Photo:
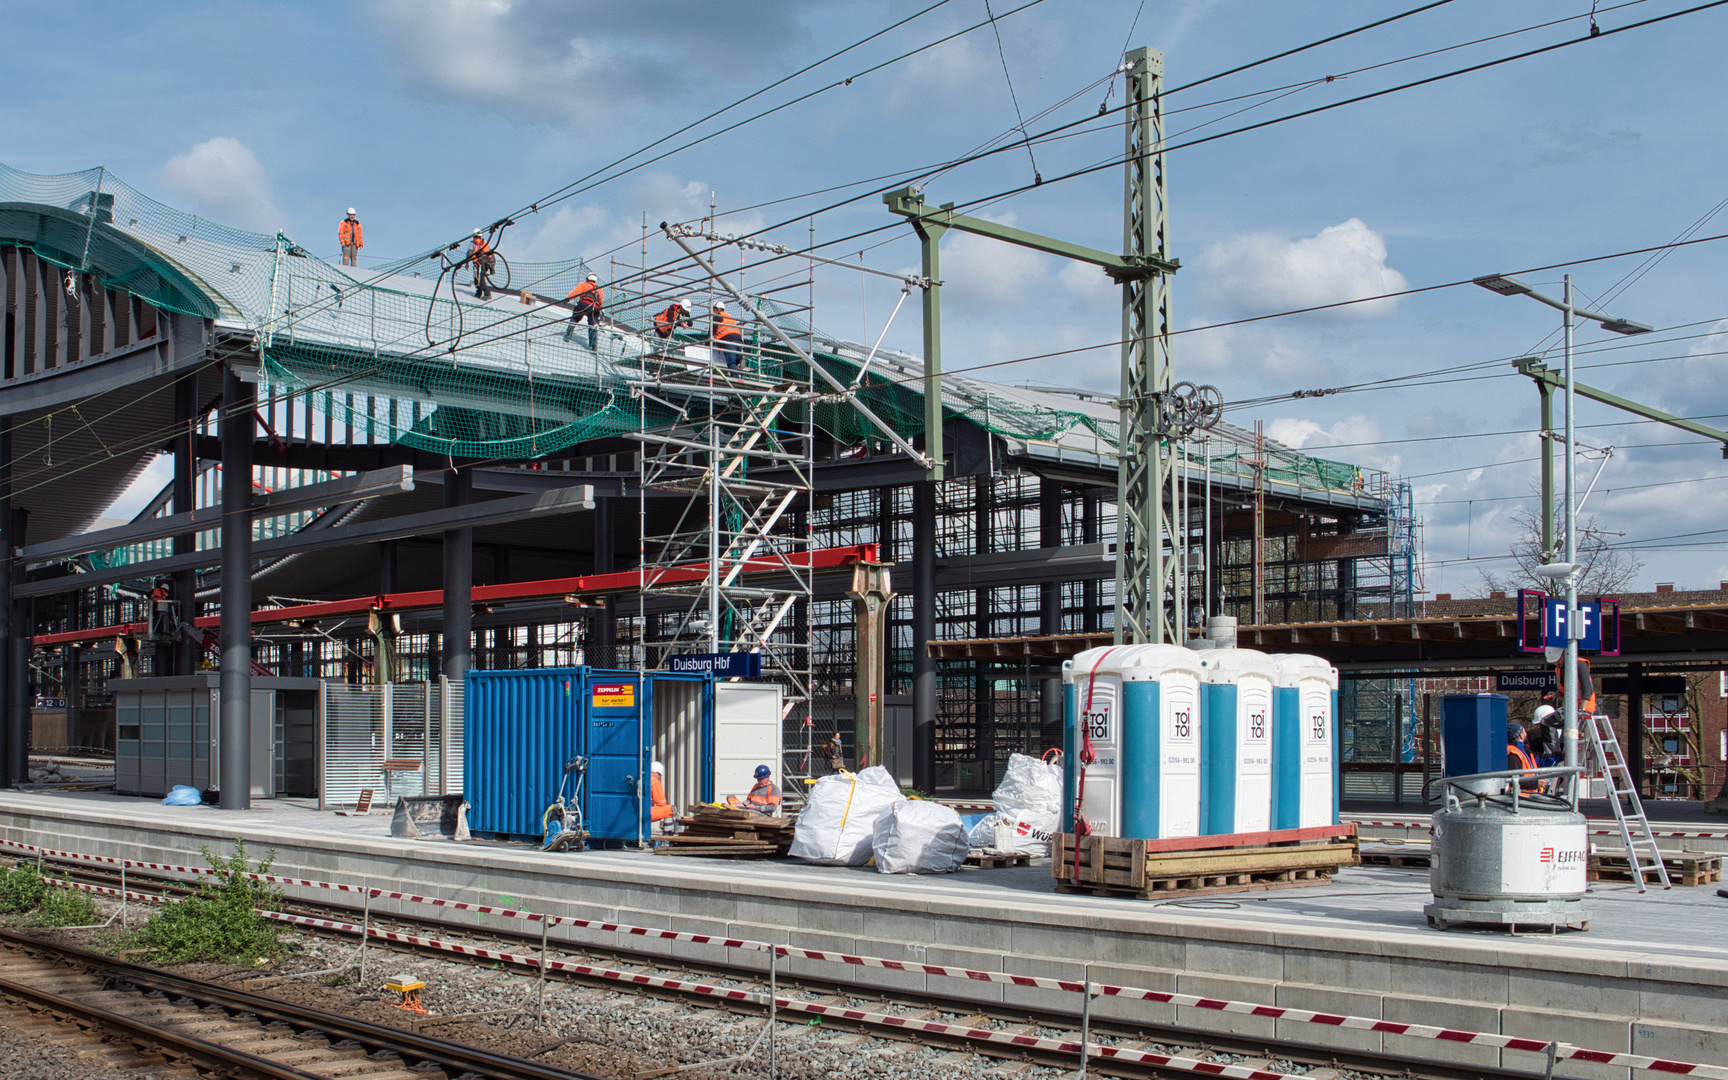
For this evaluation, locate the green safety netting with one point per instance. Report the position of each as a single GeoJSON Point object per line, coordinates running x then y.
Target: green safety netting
{"type": "Point", "coordinates": [408, 353]}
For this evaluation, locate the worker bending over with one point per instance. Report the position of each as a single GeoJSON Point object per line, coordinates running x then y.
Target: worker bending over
{"type": "Point", "coordinates": [587, 299]}
{"type": "Point", "coordinates": [480, 254]}
{"type": "Point", "coordinates": [351, 237]}
{"type": "Point", "coordinates": [676, 315]}
{"type": "Point", "coordinates": [728, 339]}
{"type": "Point", "coordinates": [661, 809]}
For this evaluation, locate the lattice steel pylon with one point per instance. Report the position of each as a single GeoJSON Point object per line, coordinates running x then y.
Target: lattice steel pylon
{"type": "Point", "coordinates": [740, 446]}
{"type": "Point", "coordinates": [1145, 481]}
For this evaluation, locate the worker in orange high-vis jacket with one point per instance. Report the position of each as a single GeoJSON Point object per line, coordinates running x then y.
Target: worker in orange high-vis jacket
{"type": "Point", "coordinates": [661, 809]}
{"type": "Point", "coordinates": [480, 255]}
{"type": "Point", "coordinates": [764, 798]}
{"type": "Point", "coordinates": [1518, 757]}
{"type": "Point", "coordinates": [586, 299]}
{"type": "Point", "coordinates": [676, 315]}
{"type": "Point", "coordinates": [351, 237]}
{"type": "Point", "coordinates": [728, 339]}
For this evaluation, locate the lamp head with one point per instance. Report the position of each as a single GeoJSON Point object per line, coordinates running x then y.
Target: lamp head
{"type": "Point", "coordinates": [1504, 285]}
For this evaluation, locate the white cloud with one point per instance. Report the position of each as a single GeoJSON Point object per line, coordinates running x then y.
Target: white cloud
{"type": "Point", "coordinates": [1249, 360]}
{"type": "Point", "coordinates": [222, 179]}
{"type": "Point", "coordinates": [1259, 272]}
{"type": "Point", "coordinates": [1355, 434]}
{"type": "Point", "coordinates": [1090, 286]}
{"type": "Point", "coordinates": [565, 234]}
{"type": "Point", "coordinates": [536, 60]}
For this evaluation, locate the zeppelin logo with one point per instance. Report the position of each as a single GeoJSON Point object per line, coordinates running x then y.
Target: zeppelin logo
{"type": "Point", "coordinates": [1561, 858]}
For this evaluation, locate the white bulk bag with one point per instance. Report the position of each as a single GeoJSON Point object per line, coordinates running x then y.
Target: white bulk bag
{"type": "Point", "coordinates": [1029, 785]}
{"type": "Point", "coordinates": [916, 837]}
{"type": "Point", "coordinates": [836, 824]}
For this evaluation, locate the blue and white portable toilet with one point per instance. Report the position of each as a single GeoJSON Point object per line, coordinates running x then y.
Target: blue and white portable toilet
{"type": "Point", "coordinates": [1236, 740]}
{"type": "Point", "coordinates": [1304, 743]}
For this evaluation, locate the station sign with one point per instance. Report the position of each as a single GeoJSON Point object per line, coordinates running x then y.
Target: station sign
{"type": "Point", "coordinates": [1589, 630]}
{"type": "Point", "coordinates": [728, 665]}
{"type": "Point", "coordinates": [1540, 682]}
{"type": "Point", "coordinates": [1598, 620]}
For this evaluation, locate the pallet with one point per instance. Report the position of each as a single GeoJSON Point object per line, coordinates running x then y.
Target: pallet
{"type": "Point", "coordinates": [1142, 869]}
{"type": "Point", "coordinates": [993, 860]}
{"type": "Point", "coordinates": [1412, 859]}
{"type": "Point", "coordinates": [1688, 868]}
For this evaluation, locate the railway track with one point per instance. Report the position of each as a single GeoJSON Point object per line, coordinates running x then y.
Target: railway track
{"type": "Point", "coordinates": [138, 1017]}
{"type": "Point", "coordinates": [1046, 1037]}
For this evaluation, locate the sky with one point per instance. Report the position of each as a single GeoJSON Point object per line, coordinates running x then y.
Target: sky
{"type": "Point", "coordinates": [433, 117]}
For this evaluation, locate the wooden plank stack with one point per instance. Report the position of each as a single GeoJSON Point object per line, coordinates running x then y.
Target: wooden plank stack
{"type": "Point", "coordinates": [1687, 868]}
{"type": "Point", "coordinates": [1191, 866]}
{"type": "Point", "coordinates": [722, 832]}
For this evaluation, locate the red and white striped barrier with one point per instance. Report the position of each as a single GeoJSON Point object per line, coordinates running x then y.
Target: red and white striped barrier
{"type": "Point", "coordinates": [1563, 1051]}
{"type": "Point", "coordinates": [1694, 834]}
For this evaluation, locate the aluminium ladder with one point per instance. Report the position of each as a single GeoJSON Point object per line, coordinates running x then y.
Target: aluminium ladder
{"type": "Point", "coordinates": [1605, 748]}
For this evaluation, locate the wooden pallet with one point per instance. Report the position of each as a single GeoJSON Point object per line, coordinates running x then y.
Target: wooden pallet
{"type": "Point", "coordinates": [1688, 868]}
{"type": "Point", "coordinates": [723, 832]}
{"type": "Point", "coordinates": [992, 860]}
{"type": "Point", "coordinates": [1143, 869]}
{"type": "Point", "coordinates": [1410, 858]}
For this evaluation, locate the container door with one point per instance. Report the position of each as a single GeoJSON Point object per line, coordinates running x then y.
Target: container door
{"type": "Point", "coordinates": [263, 724]}
{"type": "Point", "coordinates": [1097, 702]}
{"type": "Point", "coordinates": [1179, 752]}
{"type": "Point", "coordinates": [746, 734]}
{"type": "Point", "coordinates": [618, 762]}
{"type": "Point", "coordinates": [1317, 751]}
{"type": "Point", "coordinates": [1254, 754]}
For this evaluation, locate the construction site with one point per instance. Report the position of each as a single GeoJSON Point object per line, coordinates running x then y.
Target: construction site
{"type": "Point", "coordinates": [617, 627]}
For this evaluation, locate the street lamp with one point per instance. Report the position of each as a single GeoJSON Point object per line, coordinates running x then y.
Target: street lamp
{"type": "Point", "coordinates": [1568, 568]}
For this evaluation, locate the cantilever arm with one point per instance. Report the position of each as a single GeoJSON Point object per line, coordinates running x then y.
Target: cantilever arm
{"type": "Point", "coordinates": [1544, 375]}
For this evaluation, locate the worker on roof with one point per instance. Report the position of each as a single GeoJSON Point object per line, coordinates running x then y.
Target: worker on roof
{"type": "Point", "coordinates": [661, 810]}
{"type": "Point", "coordinates": [587, 299]}
{"type": "Point", "coordinates": [351, 237]}
{"type": "Point", "coordinates": [480, 254]}
{"type": "Point", "coordinates": [676, 315]}
{"type": "Point", "coordinates": [728, 339]}
{"type": "Point", "coordinates": [764, 798]}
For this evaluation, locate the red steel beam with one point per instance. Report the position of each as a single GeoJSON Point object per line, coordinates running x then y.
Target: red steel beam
{"type": "Point", "coordinates": [587, 584]}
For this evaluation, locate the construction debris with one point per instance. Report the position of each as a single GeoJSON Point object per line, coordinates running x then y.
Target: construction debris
{"type": "Point", "coordinates": [722, 832]}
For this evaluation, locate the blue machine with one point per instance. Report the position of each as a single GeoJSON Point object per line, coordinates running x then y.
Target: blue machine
{"type": "Point", "coordinates": [1473, 732]}
{"type": "Point", "coordinates": [1304, 743]}
{"type": "Point", "coordinates": [522, 727]}
{"type": "Point", "coordinates": [1236, 741]}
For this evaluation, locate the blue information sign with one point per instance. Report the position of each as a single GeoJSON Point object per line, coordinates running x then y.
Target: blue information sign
{"type": "Point", "coordinates": [735, 665]}
{"type": "Point", "coordinates": [1589, 628]}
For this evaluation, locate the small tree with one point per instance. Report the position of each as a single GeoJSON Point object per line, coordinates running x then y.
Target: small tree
{"type": "Point", "coordinates": [1604, 569]}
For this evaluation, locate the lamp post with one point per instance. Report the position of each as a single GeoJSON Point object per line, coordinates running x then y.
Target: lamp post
{"type": "Point", "coordinates": [1567, 568]}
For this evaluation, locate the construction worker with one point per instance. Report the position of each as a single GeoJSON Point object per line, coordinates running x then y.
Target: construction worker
{"type": "Point", "coordinates": [764, 798]}
{"type": "Point", "coordinates": [661, 810]}
{"type": "Point", "coordinates": [351, 237]}
{"type": "Point", "coordinates": [1518, 757]}
{"type": "Point", "coordinates": [587, 299]}
{"type": "Point", "coordinates": [728, 339]}
{"type": "Point", "coordinates": [480, 254]}
{"type": "Point", "coordinates": [1546, 741]}
{"type": "Point", "coordinates": [675, 316]}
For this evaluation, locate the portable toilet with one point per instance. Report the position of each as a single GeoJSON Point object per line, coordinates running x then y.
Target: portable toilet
{"type": "Point", "coordinates": [1236, 741]}
{"type": "Point", "coordinates": [1304, 743]}
{"type": "Point", "coordinates": [1092, 715]}
{"type": "Point", "coordinates": [1161, 753]}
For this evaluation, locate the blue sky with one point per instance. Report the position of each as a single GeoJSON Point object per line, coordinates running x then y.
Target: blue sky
{"type": "Point", "coordinates": [436, 116]}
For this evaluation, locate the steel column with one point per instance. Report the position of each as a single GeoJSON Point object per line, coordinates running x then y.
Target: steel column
{"type": "Point", "coordinates": [458, 582]}
{"type": "Point", "coordinates": [239, 426]}
{"type": "Point", "coordinates": [923, 632]}
{"type": "Point", "coordinates": [14, 740]}
{"type": "Point", "coordinates": [1145, 491]}
{"type": "Point", "coordinates": [184, 653]}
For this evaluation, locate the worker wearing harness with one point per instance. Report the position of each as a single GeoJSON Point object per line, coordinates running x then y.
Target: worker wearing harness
{"type": "Point", "coordinates": [351, 237]}
{"type": "Point", "coordinates": [588, 299]}
{"type": "Point", "coordinates": [480, 254]}
{"type": "Point", "coordinates": [675, 316]}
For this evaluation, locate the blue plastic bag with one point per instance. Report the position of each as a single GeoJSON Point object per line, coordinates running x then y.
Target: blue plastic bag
{"type": "Point", "coordinates": [183, 796]}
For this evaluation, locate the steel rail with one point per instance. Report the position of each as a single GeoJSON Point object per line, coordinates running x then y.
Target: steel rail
{"type": "Point", "coordinates": [412, 1047]}
{"type": "Point", "coordinates": [1309, 1054]}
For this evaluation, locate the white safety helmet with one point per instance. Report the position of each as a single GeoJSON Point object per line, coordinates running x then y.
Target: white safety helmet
{"type": "Point", "coordinates": [688, 304]}
{"type": "Point", "coordinates": [1542, 714]}
{"type": "Point", "coordinates": [592, 277]}
{"type": "Point", "coordinates": [350, 211]}
{"type": "Point", "coordinates": [718, 306]}
{"type": "Point", "coordinates": [659, 768]}
{"type": "Point", "coordinates": [477, 232]}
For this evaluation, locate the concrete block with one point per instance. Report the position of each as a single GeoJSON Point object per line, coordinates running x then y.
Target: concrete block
{"type": "Point", "coordinates": [967, 989]}
{"type": "Point", "coordinates": [1356, 971]}
{"type": "Point", "coordinates": [1234, 960]}
{"type": "Point", "coordinates": [1032, 997]}
{"type": "Point", "coordinates": [1573, 993]}
{"type": "Point", "coordinates": [1477, 984]}
{"type": "Point", "coordinates": [1459, 1016]}
{"type": "Point", "coordinates": [1680, 1042]}
{"type": "Point", "coordinates": [889, 925]}
{"type": "Point", "coordinates": [1681, 1003]}
{"type": "Point", "coordinates": [1216, 986]}
{"type": "Point", "coordinates": [826, 970]}
{"type": "Point", "coordinates": [1329, 999]}
{"type": "Point", "coordinates": [1578, 1027]}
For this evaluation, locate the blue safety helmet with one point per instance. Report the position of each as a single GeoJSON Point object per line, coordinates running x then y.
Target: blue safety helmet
{"type": "Point", "coordinates": [763, 772]}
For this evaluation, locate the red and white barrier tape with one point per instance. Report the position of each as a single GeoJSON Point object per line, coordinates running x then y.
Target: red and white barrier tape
{"type": "Point", "coordinates": [1564, 1051]}
{"type": "Point", "coordinates": [1702, 834]}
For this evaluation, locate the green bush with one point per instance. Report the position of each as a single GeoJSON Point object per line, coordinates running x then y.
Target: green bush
{"type": "Point", "coordinates": [21, 888]}
{"type": "Point", "coordinates": [67, 907]}
{"type": "Point", "coordinates": [218, 922]}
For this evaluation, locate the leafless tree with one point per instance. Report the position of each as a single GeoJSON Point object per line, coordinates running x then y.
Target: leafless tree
{"type": "Point", "coordinates": [1606, 569]}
